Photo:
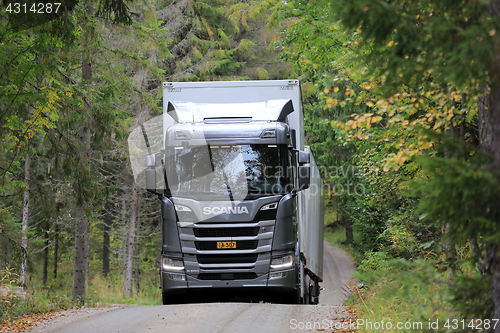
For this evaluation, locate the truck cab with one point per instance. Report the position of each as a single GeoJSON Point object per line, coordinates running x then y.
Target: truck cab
{"type": "Point", "coordinates": [231, 178]}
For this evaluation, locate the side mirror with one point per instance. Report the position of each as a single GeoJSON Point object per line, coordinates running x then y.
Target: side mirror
{"type": "Point", "coordinates": [303, 157]}
{"type": "Point", "coordinates": [293, 137]}
{"type": "Point", "coordinates": [151, 173]}
{"type": "Point", "coordinates": [304, 178]}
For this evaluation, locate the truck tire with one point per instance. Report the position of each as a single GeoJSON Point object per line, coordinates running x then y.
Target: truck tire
{"type": "Point", "coordinates": [300, 291]}
{"type": "Point", "coordinates": [315, 293]}
{"type": "Point", "coordinates": [307, 289]}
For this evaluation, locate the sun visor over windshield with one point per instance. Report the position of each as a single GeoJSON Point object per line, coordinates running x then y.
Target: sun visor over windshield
{"type": "Point", "coordinates": [273, 110]}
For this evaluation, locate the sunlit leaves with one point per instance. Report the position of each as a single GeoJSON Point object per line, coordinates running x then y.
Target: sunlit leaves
{"type": "Point", "coordinates": [416, 65]}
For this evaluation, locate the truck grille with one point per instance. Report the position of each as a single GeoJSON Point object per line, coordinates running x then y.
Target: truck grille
{"type": "Point", "coordinates": [240, 245]}
{"type": "Point", "coordinates": [227, 276]}
{"type": "Point", "coordinates": [226, 232]}
{"type": "Point", "coordinates": [226, 258]}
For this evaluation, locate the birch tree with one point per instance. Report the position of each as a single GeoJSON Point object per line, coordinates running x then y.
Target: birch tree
{"type": "Point", "coordinates": [26, 213]}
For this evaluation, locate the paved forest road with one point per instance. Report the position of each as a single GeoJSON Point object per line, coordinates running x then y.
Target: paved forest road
{"type": "Point", "coordinates": [337, 270]}
{"type": "Point", "coordinates": [221, 316]}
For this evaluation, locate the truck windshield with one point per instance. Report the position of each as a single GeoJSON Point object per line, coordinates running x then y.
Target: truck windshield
{"type": "Point", "coordinates": [221, 169]}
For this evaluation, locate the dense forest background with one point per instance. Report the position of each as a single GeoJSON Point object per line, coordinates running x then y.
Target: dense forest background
{"type": "Point", "coordinates": [402, 103]}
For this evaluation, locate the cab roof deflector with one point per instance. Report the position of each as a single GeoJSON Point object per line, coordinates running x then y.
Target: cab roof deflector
{"type": "Point", "coordinates": [271, 110]}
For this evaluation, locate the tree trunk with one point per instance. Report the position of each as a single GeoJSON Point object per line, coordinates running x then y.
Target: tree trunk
{"type": "Point", "coordinates": [489, 131]}
{"type": "Point", "coordinates": [496, 285]}
{"type": "Point", "coordinates": [124, 236]}
{"type": "Point", "coordinates": [45, 258]}
{"type": "Point", "coordinates": [87, 253]}
{"type": "Point", "coordinates": [137, 254]}
{"type": "Point", "coordinates": [127, 278]}
{"type": "Point", "coordinates": [56, 247]}
{"type": "Point", "coordinates": [489, 139]}
{"type": "Point", "coordinates": [80, 262]}
{"type": "Point", "coordinates": [3, 241]}
{"type": "Point", "coordinates": [489, 136]}
{"type": "Point", "coordinates": [159, 244]}
{"type": "Point", "coordinates": [26, 211]}
{"type": "Point", "coordinates": [349, 237]}
{"type": "Point", "coordinates": [449, 252]}
{"type": "Point", "coordinates": [82, 228]}
{"type": "Point", "coordinates": [108, 220]}
{"type": "Point", "coordinates": [137, 262]}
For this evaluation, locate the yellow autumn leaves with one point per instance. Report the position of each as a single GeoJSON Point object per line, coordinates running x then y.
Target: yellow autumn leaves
{"type": "Point", "coordinates": [359, 121]}
{"type": "Point", "coordinates": [44, 115]}
{"type": "Point", "coordinates": [402, 116]}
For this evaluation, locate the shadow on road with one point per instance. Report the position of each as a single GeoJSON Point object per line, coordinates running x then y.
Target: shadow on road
{"type": "Point", "coordinates": [230, 296]}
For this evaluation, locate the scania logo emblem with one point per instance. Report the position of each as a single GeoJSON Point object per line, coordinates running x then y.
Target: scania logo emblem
{"type": "Point", "coordinates": [225, 210]}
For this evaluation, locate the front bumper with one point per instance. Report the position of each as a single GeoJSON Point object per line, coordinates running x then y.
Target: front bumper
{"type": "Point", "coordinates": [286, 283]}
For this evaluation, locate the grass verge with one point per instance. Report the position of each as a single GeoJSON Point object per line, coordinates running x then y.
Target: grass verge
{"type": "Point", "coordinates": [404, 297]}
{"type": "Point", "coordinates": [395, 295]}
{"type": "Point", "coordinates": [104, 291]}
{"type": "Point", "coordinates": [16, 303]}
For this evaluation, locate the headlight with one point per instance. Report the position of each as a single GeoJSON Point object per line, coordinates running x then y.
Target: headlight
{"type": "Point", "coordinates": [268, 133]}
{"type": "Point", "coordinates": [181, 208]}
{"type": "Point", "coordinates": [273, 205]}
{"type": "Point", "coordinates": [170, 264]}
{"type": "Point", "coordinates": [282, 262]}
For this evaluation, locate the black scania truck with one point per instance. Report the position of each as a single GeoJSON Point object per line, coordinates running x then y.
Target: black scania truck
{"type": "Point", "coordinates": [241, 196]}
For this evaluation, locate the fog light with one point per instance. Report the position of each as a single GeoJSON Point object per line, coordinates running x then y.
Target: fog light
{"type": "Point", "coordinates": [277, 275]}
{"type": "Point", "coordinates": [172, 264]}
{"type": "Point", "coordinates": [282, 262]}
{"type": "Point", "coordinates": [176, 277]}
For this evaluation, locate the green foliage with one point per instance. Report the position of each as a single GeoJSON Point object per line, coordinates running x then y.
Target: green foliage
{"type": "Point", "coordinates": [452, 189]}
{"type": "Point", "coordinates": [397, 75]}
{"type": "Point", "coordinates": [225, 40]}
{"type": "Point", "coordinates": [48, 106]}
{"type": "Point", "coordinates": [412, 37]}
{"type": "Point", "coordinates": [375, 261]}
{"type": "Point", "coordinates": [118, 10]}
{"type": "Point", "coordinates": [473, 295]}
{"type": "Point", "coordinates": [261, 73]}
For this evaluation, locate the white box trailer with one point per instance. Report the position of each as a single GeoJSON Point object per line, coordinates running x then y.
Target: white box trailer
{"type": "Point", "coordinates": [226, 223]}
{"type": "Point", "coordinates": [238, 92]}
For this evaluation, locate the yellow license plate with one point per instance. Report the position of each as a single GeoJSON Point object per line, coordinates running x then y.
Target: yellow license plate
{"type": "Point", "coordinates": [226, 245]}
